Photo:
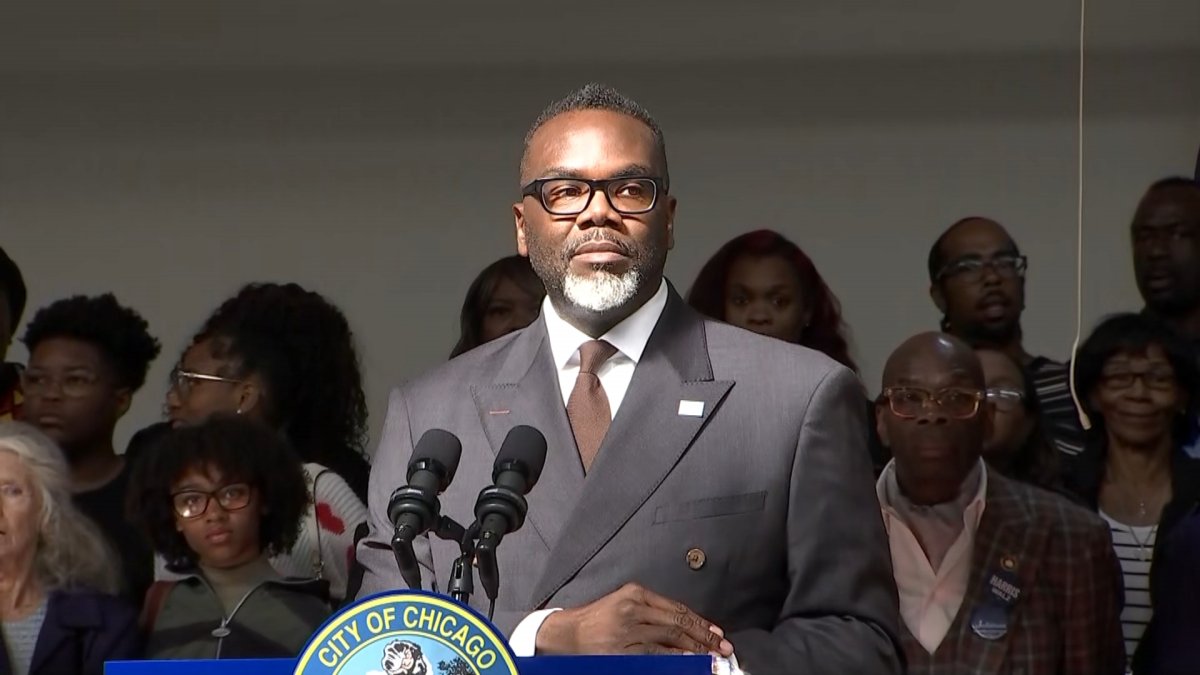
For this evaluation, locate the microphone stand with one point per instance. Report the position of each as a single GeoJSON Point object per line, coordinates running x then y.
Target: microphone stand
{"type": "Point", "coordinates": [462, 581]}
{"type": "Point", "coordinates": [462, 576]}
{"type": "Point", "coordinates": [406, 558]}
{"type": "Point", "coordinates": [402, 548]}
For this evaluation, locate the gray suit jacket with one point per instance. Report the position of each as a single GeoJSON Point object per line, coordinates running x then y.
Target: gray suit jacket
{"type": "Point", "coordinates": [772, 482]}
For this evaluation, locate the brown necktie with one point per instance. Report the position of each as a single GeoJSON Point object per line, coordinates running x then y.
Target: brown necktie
{"type": "Point", "coordinates": [587, 407]}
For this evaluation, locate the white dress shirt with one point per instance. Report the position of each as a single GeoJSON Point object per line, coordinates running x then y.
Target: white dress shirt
{"type": "Point", "coordinates": [930, 597]}
{"type": "Point", "coordinates": [630, 338]}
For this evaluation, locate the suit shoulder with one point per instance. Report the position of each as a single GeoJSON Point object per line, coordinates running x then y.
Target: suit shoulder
{"type": "Point", "coordinates": [468, 367]}
{"type": "Point", "coordinates": [790, 375]}
{"type": "Point", "coordinates": [730, 343]}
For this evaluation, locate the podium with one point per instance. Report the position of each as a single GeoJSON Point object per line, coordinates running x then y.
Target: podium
{"type": "Point", "coordinates": [416, 633]}
{"type": "Point", "coordinates": [537, 665]}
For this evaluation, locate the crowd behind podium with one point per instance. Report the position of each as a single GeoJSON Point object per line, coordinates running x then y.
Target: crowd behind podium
{"type": "Point", "coordinates": [230, 529]}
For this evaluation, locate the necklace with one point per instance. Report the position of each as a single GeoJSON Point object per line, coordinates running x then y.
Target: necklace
{"type": "Point", "coordinates": [1142, 544]}
{"type": "Point", "coordinates": [1138, 501]}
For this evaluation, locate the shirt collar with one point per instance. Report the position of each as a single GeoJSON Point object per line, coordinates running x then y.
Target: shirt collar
{"type": "Point", "coordinates": [971, 514]}
{"type": "Point", "coordinates": [629, 337]}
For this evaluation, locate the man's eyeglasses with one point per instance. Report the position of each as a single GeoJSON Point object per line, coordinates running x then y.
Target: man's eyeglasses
{"type": "Point", "coordinates": [190, 504]}
{"type": "Point", "coordinates": [972, 269]}
{"type": "Point", "coordinates": [1162, 379]}
{"type": "Point", "coordinates": [1005, 399]}
{"type": "Point", "coordinates": [911, 402]}
{"type": "Point", "coordinates": [572, 196]}
{"type": "Point", "coordinates": [182, 380]}
{"type": "Point", "coordinates": [72, 385]}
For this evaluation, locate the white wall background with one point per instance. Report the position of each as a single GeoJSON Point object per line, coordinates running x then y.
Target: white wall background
{"type": "Point", "coordinates": [170, 152]}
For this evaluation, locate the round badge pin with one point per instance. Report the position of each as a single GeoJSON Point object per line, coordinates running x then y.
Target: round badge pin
{"type": "Point", "coordinates": [989, 621]}
{"type": "Point", "coordinates": [1009, 563]}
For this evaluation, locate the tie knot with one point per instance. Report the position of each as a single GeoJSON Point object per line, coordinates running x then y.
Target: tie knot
{"type": "Point", "coordinates": [593, 354]}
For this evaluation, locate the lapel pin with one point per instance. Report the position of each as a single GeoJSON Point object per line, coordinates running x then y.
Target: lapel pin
{"type": "Point", "coordinates": [990, 621]}
{"type": "Point", "coordinates": [691, 408]}
{"type": "Point", "coordinates": [1009, 563]}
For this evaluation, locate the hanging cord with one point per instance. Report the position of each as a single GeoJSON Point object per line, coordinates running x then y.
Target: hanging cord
{"type": "Point", "coordinates": [1083, 417]}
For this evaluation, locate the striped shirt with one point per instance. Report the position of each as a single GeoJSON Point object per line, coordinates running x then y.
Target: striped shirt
{"type": "Point", "coordinates": [20, 639]}
{"type": "Point", "coordinates": [1134, 547]}
{"type": "Point", "coordinates": [1052, 381]}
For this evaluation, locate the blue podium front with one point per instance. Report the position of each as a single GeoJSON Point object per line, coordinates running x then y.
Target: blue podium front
{"type": "Point", "coordinates": [417, 633]}
{"type": "Point", "coordinates": [538, 665]}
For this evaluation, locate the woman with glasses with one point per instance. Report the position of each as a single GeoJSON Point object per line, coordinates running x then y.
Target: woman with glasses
{"type": "Point", "coordinates": [225, 496]}
{"type": "Point", "coordinates": [285, 356]}
{"type": "Point", "coordinates": [88, 356]}
{"type": "Point", "coordinates": [1138, 383]}
{"type": "Point", "coordinates": [1015, 445]}
{"type": "Point", "coordinates": [57, 611]}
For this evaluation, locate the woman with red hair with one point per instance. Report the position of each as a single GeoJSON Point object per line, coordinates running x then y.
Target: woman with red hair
{"type": "Point", "coordinates": [762, 282]}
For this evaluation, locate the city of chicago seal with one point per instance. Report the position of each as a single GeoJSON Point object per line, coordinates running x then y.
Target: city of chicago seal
{"type": "Point", "coordinates": [407, 633]}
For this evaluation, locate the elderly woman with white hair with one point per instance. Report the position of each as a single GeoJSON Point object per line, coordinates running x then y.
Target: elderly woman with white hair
{"type": "Point", "coordinates": [57, 575]}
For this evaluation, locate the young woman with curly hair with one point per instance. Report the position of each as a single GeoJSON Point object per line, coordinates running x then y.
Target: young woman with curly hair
{"type": "Point", "coordinates": [225, 496]}
{"type": "Point", "coordinates": [284, 356]}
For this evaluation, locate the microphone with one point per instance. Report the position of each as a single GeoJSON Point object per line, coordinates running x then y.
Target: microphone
{"type": "Point", "coordinates": [501, 508]}
{"type": "Point", "coordinates": [414, 509]}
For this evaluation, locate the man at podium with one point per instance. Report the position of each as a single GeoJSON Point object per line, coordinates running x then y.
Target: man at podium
{"type": "Point", "coordinates": [706, 489]}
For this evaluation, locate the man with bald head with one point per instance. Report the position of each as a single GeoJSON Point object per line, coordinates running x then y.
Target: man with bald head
{"type": "Point", "coordinates": [977, 281]}
{"type": "Point", "coordinates": [994, 576]}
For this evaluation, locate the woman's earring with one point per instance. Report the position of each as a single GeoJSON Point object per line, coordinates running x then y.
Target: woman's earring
{"type": "Point", "coordinates": [238, 411]}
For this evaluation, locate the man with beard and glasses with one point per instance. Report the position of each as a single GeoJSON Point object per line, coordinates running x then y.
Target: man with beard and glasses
{"type": "Point", "coordinates": [706, 489]}
{"type": "Point", "coordinates": [977, 280]}
{"type": "Point", "coordinates": [1166, 261]}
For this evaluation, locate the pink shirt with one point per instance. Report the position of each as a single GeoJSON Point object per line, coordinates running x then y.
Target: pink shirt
{"type": "Point", "coordinates": [929, 598]}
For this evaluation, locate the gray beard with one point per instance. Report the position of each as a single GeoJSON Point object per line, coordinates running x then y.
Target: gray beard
{"type": "Point", "coordinates": [601, 291]}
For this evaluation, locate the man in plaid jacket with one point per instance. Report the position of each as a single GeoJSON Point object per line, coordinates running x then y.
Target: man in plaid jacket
{"type": "Point", "coordinates": [994, 576]}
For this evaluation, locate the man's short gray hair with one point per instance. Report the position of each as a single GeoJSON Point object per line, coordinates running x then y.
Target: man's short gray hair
{"type": "Point", "coordinates": [596, 96]}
